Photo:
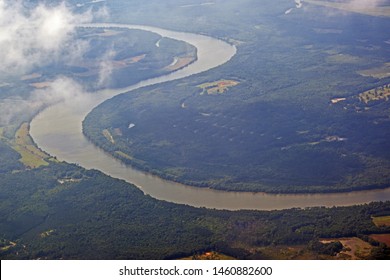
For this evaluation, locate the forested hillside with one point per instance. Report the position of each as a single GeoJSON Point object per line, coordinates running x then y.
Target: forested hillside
{"type": "Point", "coordinates": [285, 115]}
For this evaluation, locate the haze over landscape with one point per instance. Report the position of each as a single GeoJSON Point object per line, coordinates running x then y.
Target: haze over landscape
{"type": "Point", "coordinates": [195, 129]}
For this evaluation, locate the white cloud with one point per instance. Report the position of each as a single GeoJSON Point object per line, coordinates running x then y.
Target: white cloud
{"type": "Point", "coordinates": [34, 37]}
{"type": "Point", "coordinates": [12, 108]}
{"type": "Point", "coordinates": [106, 67]}
{"type": "Point", "coordinates": [59, 90]}
{"type": "Point", "coordinates": [62, 89]}
{"type": "Point", "coordinates": [31, 38]}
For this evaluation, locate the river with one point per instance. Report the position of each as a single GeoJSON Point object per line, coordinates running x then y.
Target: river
{"type": "Point", "coordinates": [58, 131]}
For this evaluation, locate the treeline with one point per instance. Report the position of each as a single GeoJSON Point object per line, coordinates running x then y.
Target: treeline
{"type": "Point", "coordinates": [276, 131]}
{"type": "Point", "coordinates": [65, 212]}
{"type": "Point", "coordinates": [217, 142]}
{"type": "Point", "coordinates": [98, 217]}
{"type": "Point", "coordinates": [9, 159]}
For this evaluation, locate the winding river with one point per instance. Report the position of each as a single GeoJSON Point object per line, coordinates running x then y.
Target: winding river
{"type": "Point", "coordinates": [58, 131]}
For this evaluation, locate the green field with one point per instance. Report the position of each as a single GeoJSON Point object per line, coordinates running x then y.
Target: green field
{"type": "Point", "coordinates": [381, 221]}
{"type": "Point", "coordinates": [31, 156]}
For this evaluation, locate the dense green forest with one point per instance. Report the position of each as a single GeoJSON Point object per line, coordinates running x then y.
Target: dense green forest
{"type": "Point", "coordinates": [9, 159]}
{"type": "Point", "coordinates": [269, 125]}
{"type": "Point", "coordinates": [278, 128]}
{"type": "Point", "coordinates": [64, 211]}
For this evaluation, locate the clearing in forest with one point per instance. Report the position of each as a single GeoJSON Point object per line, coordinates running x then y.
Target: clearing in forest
{"type": "Point", "coordinates": [354, 248]}
{"type": "Point", "coordinates": [376, 94]}
{"type": "Point", "coordinates": [32, 157]}
{"type": "Point", "coordinates": [383, 238]}
{"type": "Point", "coordinates": [381, 221]}
{"type": "Point", "coordinates": [108, 136]}
{"type": "Point", "coordinates": [209, 256]}
{"type": "Point", "coordinates": [217, 87]}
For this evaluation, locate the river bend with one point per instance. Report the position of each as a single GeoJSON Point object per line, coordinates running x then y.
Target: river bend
{"type": "Point", "coordinates": [58, 131]}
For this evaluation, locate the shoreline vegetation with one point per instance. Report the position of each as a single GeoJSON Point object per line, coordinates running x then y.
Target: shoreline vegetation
{"type": "Point", "coordinates": [140, 165]}
{"type": "Point", "coordinates": [277, 127]}
{"type": "Point", "coordinates": [63, 211]}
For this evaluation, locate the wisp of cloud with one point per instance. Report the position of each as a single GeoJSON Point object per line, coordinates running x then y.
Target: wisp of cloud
{"type": "Point", "coordinates": [62, 89]}
{"type": "Point", "coordinates": [34, 37]}
{"type": "Point", "coordinates": [31, 38]}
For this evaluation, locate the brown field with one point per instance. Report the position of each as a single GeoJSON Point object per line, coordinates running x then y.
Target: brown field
{"type": "Point", "coordinates": [381, 221]}
{"type": "Point", "coordinates": [376, 94]}
{"type": "Point", "coordinates": [217, 87]}
{"type": "Point", "coordinates": [383, 11]}
{"type": "Point", "coordinates": [383, 238]}
{"type": "Point", "coordinates": [209, 256]}
{"type": "Point", "coordinates": [126, 62]}
{"type": "Point", "coordinates": [354, 248]}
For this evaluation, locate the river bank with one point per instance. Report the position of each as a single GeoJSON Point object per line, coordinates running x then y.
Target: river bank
{"type": "Point", "coordinates": [58, 131]}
